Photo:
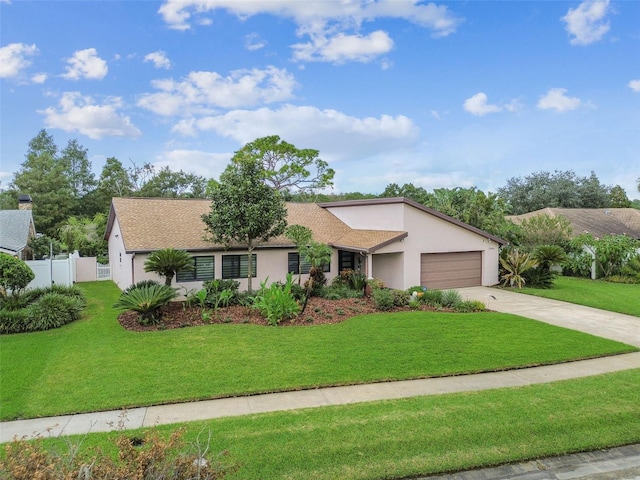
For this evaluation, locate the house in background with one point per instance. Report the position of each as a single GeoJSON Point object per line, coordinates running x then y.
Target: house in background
{"type": "Point", "coordinates": [396, 240]}
{"type": "Point", "coordinates": [17, 229]}
{"type": "Point", "coordinates": [596, 221]}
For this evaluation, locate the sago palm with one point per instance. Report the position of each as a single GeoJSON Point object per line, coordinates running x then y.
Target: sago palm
{"type": "Point", "coordinates": [146, 300]}
{"type": "Point", "coordinates": [167, 262]}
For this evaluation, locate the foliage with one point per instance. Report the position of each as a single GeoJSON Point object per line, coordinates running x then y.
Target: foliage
{"type": "Point", "coordinates": [216, 289]}
{"type": "Point", "coordinates": [383, 299]}
{"type": "Point", "coordinates": [316, 254]}
{"type": "Point", "coordinates": [167, 262]}
{"type": "Point", "coordinates": [432, 297]}
{"type": "Point", "coordinates": [626, 279]}
{"type": "Point", "coordinates": [167, 183]}
{"type": "Point", "coordinates": [300, 236]}
{"type": "Point", "coordinates": [632, 268]}
{"type": "Point", "coordinates": [547, 256]}
{"type": "Point", "coordinates": [539, 278]}
{"type": "Point", "coordinates": [146, 301]}
{"type": "Point", "coordinates": [375, 283]}
{"type": "Point", "coordinates": [338, 290]}
{"type": "Point", "coordinates": [140, 284]}
{"type": "Point", "coordinates": [577, 264]}
{"type": "Point", "coordinates": [53, 310]}
{"type": "Point", "coordinates": [14, 321]}
{"type": "Point", "coordinates": [244, 210]}
{"type": "Point", "coordinates": [618, 198]}
{"type": "Point", "coordinates": [15, 275]}
{"type": "Point", "coordinates": [514, 264]}
{"type": "Point", "coordinates": [611, 252]}
{"type": "Point", "coordinates": [43, 246]}
{"type": "Point", "coordinates": [151, 457]}
{"type": "Point", "coordinates": [559, 189]}
{"type": "Point", "coordinates": [468, 306]}
{"type": "Point", "coordinates": [86, 235]}
{"type": "Point", "coordinates": [450, 298]}
{"type": "Point", "coordinates": [357, 280]}
{"type": "Point", "coordinates": [287, 168]}
{"type": "Point", "coordinates": [276, 302]}
{"type": "Point", "coordinates": [544, 230]}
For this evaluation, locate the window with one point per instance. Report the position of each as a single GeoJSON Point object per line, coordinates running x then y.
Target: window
{"type": "Point", "coordinates": [346, 260]}
{"type": "Point", "coordinates": [237, 266]}
{"type": "Point", "coordinates": [293, 260]}
{"type": "Point", "coordinates": [203, 270]}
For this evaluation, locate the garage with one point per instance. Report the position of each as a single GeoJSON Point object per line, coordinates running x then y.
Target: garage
{"type": "Point", "coordinates": [451, 270]}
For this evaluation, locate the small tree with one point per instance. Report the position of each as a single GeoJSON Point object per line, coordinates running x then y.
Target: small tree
{"type": "Point", "coordinates": [244, 209]}
{"type": "Point", "coordinates": [300, 236]}
{"type": "Point", "coordinates": [611, 252]}
{"type": "Point", "coordinates": [317, 254]}
{"type": "Point", "coordinates": [167, 262]}
{"type": "Point", "coordinates": [15, 275]}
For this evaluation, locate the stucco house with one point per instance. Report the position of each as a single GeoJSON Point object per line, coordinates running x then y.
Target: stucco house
{"type": "Point", "coordinates": [17, 229]}
{"type": "Point", "coordinates": [396, 240]}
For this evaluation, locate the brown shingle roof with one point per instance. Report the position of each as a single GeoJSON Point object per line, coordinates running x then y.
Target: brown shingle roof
{"type": "Point", "coordinates": [149, 224]}
{"type": "Point", "coordinates": [596, 221]}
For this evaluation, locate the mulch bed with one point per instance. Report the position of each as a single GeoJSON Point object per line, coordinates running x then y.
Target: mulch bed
{"type": "Point", "coordinates": [319, 311]}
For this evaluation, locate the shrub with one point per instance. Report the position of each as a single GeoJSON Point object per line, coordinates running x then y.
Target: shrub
{"type": "Point", "coordinates": [215, 288]}
{"type": "Point", "coordinates": [375, 283]}
{"type": "Point", "coordinates": [539, 278]}
{"type": "Point", "coordinates": [467, 306]}
{"type": "Point", "coordinates": [432, 297]}
{"type": "Point", "coordinates": [53, 310]}
{"type": "Point", "coordinates": [514, 264]}
{"type": "Point", "coordinates": [383, 299]}
{"type": "Point", "coordinates": [338, 291]}
{"type": "Point", "coordinates": [151, 457]}
{"type": "Point", "coordinates": [450, 298]}
{"type": "Point", "coordinates": [15, 275]}
{"type": "Point", "coordinates": [146, 301]}
{"type": "Point", "coordinates": [632, 268]}
{"type": "Point", "coordinates": [357, 280]}
{"type": "Point", "coordinates": [400, 298]}
{"type": "Point", "coordinates": [416, 289]}
{"type": "Point", "coordinates": [140, 284]}
{"type": "Point", "coordinates": [622, 279]}
{"type": "Point", "coordinates": [13, 321]}
{"type": "Point", "coordinates": [276, 302]}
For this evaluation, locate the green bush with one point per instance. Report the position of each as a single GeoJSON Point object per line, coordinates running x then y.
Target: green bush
{"type": "Point", "coordinates": [338, 291]}
{"type": "Point", "coordinates": [467, 306]}
{"type": "Point", "coordinates": [15, 275]}
{"type": "Point", "coordinates": [140, 284]}
{"type": "Point", "coordinates": [13, 321]}
{"type": "Point", "coordinates": [215, 288]}
{"type": "Point", "coordinates": [450, 298]}
{"type": "Point", "coordinates": [276, 302]}
{"type": "Point", "coordinates": [622, 279]}
{"type": "Point", "coordinates": [416, 289]}
{"type": "Point", "coordinates": [539, 278]}
{"type": "Point", "coordinates": [400, 298]}
{"type": "Point", "coordinates": [53, 310]}
{"type": "Point", "coordinates": [383, 299]}
{"type": "Point", "coordinates": [146, 301]}
{"type": "Point", "coordinates": [432, 297]}
{"type": "Point", "coordinates": [32, 295]}
{"type": "Point", "coordinates": [357, 280]}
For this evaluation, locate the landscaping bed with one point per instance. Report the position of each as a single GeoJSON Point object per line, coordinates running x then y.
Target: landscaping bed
{"type": "Point", "coordinates": [319, 311]}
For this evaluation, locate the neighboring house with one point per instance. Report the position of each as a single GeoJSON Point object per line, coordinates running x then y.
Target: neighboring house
{"type": "Point", "coordinates": [17, 229]}
{"type": "Point", "coordinates": [596, 221]}
{"type": "Point", "coordinates": [396, 240]}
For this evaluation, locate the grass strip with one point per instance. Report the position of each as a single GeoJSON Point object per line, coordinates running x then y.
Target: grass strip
{"type": "Point", "coordinates": [426, 435]}
{"type": "Point", "coordinates": [613, 297]}
{"type": "Point", "coordinates": [95, 364]}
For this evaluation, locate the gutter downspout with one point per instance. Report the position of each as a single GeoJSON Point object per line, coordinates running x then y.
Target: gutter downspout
{"type": "Point", "coordinates": [133, 269]}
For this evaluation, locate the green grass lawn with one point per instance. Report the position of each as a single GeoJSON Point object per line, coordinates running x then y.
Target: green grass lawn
{"type": "Point", "coordinates": [614, 297]}
{"type": "Point", "coordinates": [425, 435]}
{"type": "Point", "coordinates": [94, 364]}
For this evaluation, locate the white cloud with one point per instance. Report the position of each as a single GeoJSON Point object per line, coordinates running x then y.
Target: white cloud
{"type": "Point", "coordinates": [206, 164]}
{"type": "Point", "coordinates": [478, 105]}
{"type": "Point", "coordinates": [337, 135]}
{"type": "Point", "coordinates": [587, 23]}
{"type": "Point", "coordinates": [78, 113]}
{"type": "Point", "coordinates": [13, 58]}
{"type": "Point", "coordinates": [159, 59]}
{"type": "Point", "coordinates": [200, 92]}
{"type": "Point", "coordinates": [86, 64]}
{"type": "Point", "coordinates": [39, 77]}
{"type": "Point", "coordinates": [342, 47]}
{"type": "Point", "coordinates": [556, 99]}
{"type": "Point", "coordinates": [253, 42]}
{"type": "Point", "coordinates": [333, 26]}
{"type": "Point", "coordinates": [635, 85]}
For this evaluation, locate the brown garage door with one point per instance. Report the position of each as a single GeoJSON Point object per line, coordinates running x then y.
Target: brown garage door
{"type": "Point", "coordinates": [451, 270]}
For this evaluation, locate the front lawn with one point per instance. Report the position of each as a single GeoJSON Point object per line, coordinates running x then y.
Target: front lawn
{"type": "Point", "coordinates": [614, 297]}
{"type": "Point", "coordinates": [419, 436]}
{"type": "Point", "coordinates": [95, 364]}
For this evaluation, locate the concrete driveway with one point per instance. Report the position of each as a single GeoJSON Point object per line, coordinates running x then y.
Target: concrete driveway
{"type": "Point", "coordinates": [615, 326]}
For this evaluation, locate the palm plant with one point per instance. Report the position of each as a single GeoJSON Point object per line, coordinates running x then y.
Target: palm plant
{"type": "Point", "coordinates": [515, 263]}
{"type": "Point", "coordinates": [317, 254]}
{"type": "Point", "coordinates": [167, 262]}
{"type": "Point", "coordinates": [146, 300]}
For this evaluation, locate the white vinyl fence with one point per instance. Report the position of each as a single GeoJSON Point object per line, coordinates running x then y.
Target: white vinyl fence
{"type": "Point", "coordinates": [67, 271]}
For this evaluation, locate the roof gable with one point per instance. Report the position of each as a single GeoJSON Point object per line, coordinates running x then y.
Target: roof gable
{"type": "Point", "coordinates": [16, 228]}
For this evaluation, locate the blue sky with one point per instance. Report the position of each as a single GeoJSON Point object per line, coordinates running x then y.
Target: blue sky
{"type": "Point", "coordinates": [447, 94]}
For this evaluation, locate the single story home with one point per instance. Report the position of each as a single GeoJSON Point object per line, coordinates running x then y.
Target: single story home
{"type": "Point", "coordinates": [396, 240]}
{"type": "Point", "coordinates": [17, 229]}
{"type": "Point", "coordinates": [596, 221]}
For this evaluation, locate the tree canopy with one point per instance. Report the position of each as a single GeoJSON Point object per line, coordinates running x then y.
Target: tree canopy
{"type": "Point", "coordinates": [244, 209]}
{"type": "Point", "coordinates": [287, 168]}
